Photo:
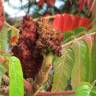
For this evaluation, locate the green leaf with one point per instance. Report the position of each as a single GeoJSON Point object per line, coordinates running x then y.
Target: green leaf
{"type": "Point", "coordinates": [86, 89]}
{"type": "Point", "coordinates": [4, 38]}
{"type": "Point", "coordinates": [16, 87]}
{"type": "Point", "coordinates": [3, 67]}
{"type": "Point", "coordinates": [2, 71]}
{"type": "Point", "coordinates": [79, 30]}
{"type": "Point", "coordinates": [67, 35]}
{"type": "Point", "coordinates": [80, 71]}
{"type": "Point", "coordinates": [62, 70]}
{"type": "Point", "coordinates": [13, 32]}
{"type": "Point", "coordinates": [6, 33]}
{"type": "Point", "coordinates": [93, 92]}
{"type": "Point", "coordinates": [93, 65]}
{"type": "Point", "coordinates": [83, 90]}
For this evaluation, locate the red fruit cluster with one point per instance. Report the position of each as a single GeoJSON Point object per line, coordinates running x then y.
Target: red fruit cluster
{"type": "Point", "coordinates": [36, 38]}
{"type": "Point", "coordinates": [28, 29]}
{"type": "Point", "coordinates": [25, 49]}
{"type": "Point", "coordinates": [2, 18]}
{"type": "Point", "coordinates": [49, 39]}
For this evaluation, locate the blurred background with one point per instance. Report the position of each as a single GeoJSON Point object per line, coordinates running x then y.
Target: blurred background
{"type": "Point", "coordinates": [19, 8]}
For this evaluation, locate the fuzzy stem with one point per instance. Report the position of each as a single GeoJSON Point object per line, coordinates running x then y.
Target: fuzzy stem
{"type": "Point", "coordinates": [12, 27]}
{"type": "Point", "coordinates": [77, 39]}
{"type": "Point", "coordinates": [42, 76]}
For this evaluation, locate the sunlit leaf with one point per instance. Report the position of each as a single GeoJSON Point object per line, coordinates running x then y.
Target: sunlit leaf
{"type": "Point", "coordinates": [83, 90]}
{"type": "Point", "coordinates": [16, 87]}
{"type": "Point", "coordinates": [93, 91]}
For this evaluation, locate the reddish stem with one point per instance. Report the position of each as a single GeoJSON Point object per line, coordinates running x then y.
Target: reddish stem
{"type": "Point", "coordinates": [56, 93]}
{"type": "Point", "coordinates": [28, 86]}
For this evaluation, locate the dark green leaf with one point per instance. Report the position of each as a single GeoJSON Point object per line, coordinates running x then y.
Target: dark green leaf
{"type": "Point", "coordinates": [93, 91]}
{"type": "Point", "coordinates": [79, 30]}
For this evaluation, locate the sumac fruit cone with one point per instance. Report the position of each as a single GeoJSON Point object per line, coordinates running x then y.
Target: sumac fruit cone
{"type": "Point", "coordinates": [36, 38]}
{"type": "Point", "coordinates": [38, 43]}
{"type": "Point", "coordinates": [25, 50]}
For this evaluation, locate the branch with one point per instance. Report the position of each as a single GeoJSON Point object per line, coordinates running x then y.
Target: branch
{"type": "Point", "coordinates": [56, 93]}
{"type": "Point", "coordinates": [8, 25]}
{"type": "Point", "coordinates": [77, 39]}
{"type": "Point", "coordinates": [46, 17]}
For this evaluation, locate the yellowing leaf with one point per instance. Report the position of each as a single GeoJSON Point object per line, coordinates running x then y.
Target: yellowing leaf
{"type": "Point", "coordinates": [62, 70]}
{"type": "Point", "coordinates": [80, 71]}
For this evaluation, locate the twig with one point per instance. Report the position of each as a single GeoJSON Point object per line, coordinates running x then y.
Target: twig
{"type": "Point", "coordinates": [77, 39]}
{"type": "Point", "coordinates": [46, 17]}
{"type": "Point", "coordinates": [55, 93]}
{"type": "Point", "coordinates": [2, 51]}
{"type": "Point", "coordinates": [8, 25]}
{"type": "Point", "coordinates": [5, 79]}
